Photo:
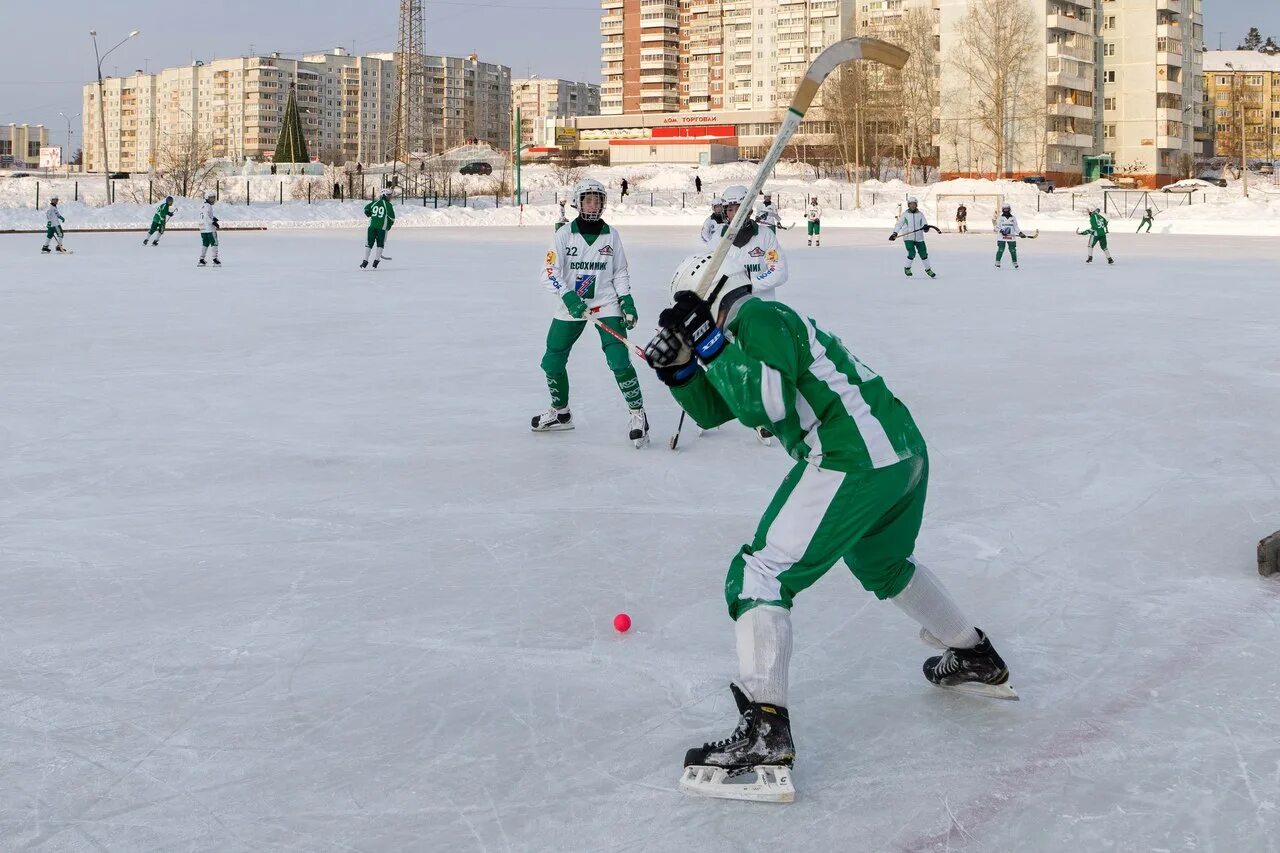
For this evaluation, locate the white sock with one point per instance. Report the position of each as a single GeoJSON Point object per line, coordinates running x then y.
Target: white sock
{"type": "Point", "coordinates": [203, 250]}
{"type": "Point", "coordinates": [378, 254]}
{"type": "Point", "coordinates": [927, 601]}
{"type": "Point", "coordinates": [367, 250]}
{"type": "Point", "coordinates": [764, 653]}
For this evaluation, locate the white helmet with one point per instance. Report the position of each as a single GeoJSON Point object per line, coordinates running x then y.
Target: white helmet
{"type": "Point", "coordinates": [53, 200]}
{"type": "Point", "coordinates": [731, 281]}
{"type": "Point", "coordinates": [586, 187]}
{"type": "Point", "coordinates": [717, 202]}
{"type": "Point", "coordinates": [209, 196]}
{"type": "Point", "coordinates": [386, 192]}
{"type": "Point", "coordinates": [912, 200]}
{"type": "Point", "coordinates": [735, 194]}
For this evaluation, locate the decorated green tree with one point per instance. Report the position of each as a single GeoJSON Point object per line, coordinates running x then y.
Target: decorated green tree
{"type": "Point", "coordinates": [292, 146]}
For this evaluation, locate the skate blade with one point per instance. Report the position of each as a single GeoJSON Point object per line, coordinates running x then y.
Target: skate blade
{"type": "Point", "coordinates": [553, 428]}
{"type": "Point", "coordinates": [990, 691]}
{"type": "Point", "coordinates": [640, 442]}
{"type": "Point", "coordinates": [772, 784]}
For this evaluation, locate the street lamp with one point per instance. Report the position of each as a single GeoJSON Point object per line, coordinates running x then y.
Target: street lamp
{"type": "Point", "coordinates": [102, 121]}
{"type": "Point", "coordinates": [70, 145]}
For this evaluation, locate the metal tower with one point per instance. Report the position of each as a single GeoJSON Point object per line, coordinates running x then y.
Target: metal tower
{"type": "Point", "coordinates": [410, 122]}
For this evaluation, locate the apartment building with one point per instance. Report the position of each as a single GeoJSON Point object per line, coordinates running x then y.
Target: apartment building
{"type": "Point", "coordinates": [539, 100]}
{"type": "Point", "coordinates": [1153, 86]}
{"type": "Point", "coordinates": [20, 145]}
{"type": "Point", "coordinates": [233, 108]}
{"type": "Point", "coordinates": [1049, 123]}
{"type": "Point", "coordinates": [670, 56]}
{"type": "Point", "coordinates": [1242, 90]}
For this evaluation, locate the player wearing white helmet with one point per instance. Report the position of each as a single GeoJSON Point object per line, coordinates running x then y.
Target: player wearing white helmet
{"type": "Point", "coordinates": [813, 215]}
{"type": "Point", "coordinates": [768, 214]}
{"type": "Point", "coordinates": [586, 269]}
{"type": "Point", "coordinates": [711, 227]}
{"type": "Point", "coordinates": [912, 226]}
{"type": "Point", "coordinates": [53, 220]}
{"type": "Point", "coordinates": [208, 230]}
{"type": "Point", "coordinates": [755, 248]}
{"type": "Point", "coordinates": [856, 493]}
{"type": "Point", "coordinates": [1007, 232]}
{"type": "Point", "coordinates": [382, 215]}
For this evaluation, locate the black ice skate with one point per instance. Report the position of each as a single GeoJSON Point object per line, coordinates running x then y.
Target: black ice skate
{"type": "Point", "coordinates": [908, 271]}
{"type": "Point", "coordinates": [761, 744]}
{"type": "Point", "coordinates": [217, 263]}
{"type": "Point", "coordinates": [1111, 260]}
{"type": "Point", "coordinates": [45, 250]}
{"type": "Point", "coordinates": [375, 265]}
{"type": "Point", "coordinates": [978, 670]}
{"type": "Point", "coordinates": [765, 436]}
{"type": "Point", "coordinates": [931, 273]}
{"type": "Point", "coordinates": [364, 265]}
{"type": "Point", "coordinates": [201, 263]}
{"type": "Point", "coordinates": [638, 429]}
{"type": "Point", "coordinates": [552, 420]}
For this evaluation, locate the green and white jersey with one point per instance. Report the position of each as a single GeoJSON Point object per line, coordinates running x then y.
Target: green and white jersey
{"type": "Point", "coordinates": [162, 214]}
{"type": "Point", "coordinates": [53, 217]}
{"type": "Point", "coordinates": [756, 249]}
{"type": "Point", "coordinates": [381, 214]}
{"type": "Point", "coordinates": [784, 372]}
{"type": "Point", "coordinates": [813, 213]}
{"type": "Point", "coordinates": [593, 265]}
{"type": "Point", "coordinates": [1098, 224]}
{"type": "Point", "coordinates": [207, 218]}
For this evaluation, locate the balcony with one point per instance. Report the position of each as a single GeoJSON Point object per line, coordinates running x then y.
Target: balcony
{"type": "Point", "coordinates": [1172, 114]}
{"type": "Point", "coordinates": [1070, 140]}
{"type": "Point", "coordinates": [1163, 57]}
{"type": "Point", "coordinates": [1069, 51]}
{"type": "Point", "coordinates": [1169, 87]}
{"type": "Point", "coordinates": [1068, 80]}
{"type": "Point", "coordinates": [1174, 6]}
{"type": "Point", "coordinates": [1071, 25]}
{"type": "Point", "coordinates": [1173, 142]}
{"type": "Point", "coordinates": [1068, 110]}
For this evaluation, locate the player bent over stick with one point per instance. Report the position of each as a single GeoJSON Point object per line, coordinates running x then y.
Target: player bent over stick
{"type": "Point", "coordinates": [856, 493]}
{"type": "Point", "coordinates": [159, 220]}
{"type": "Point", "coordinates": [587, 269]}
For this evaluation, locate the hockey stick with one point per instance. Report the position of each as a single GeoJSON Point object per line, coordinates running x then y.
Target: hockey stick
{"type": "Point", "coordinates": [829, 60]}
{"type": "Point", "coordinates": [639, 350]}
{"type": "Point", "coordinates": [675, 437]}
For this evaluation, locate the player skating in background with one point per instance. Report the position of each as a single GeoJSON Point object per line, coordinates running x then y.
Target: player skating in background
{"type": "Point", "coordinates": [563, 220]}
{"type": "Point", "coordinates": [768, 214]}
{"type": "Point", "coordinates": [1148, 219]}
{"type": "Point", "coordinates": [856, 493]}
{"type": "Point", "coordinates": [1097, 231]}
{"type": "Point", "coordinates": [1007, 233]}
{"type": "Point", "coordinates": [164, 211]}
{"type": "Point", "coordinates": [813, 216]}
{"type": "Point", "coordinates": [382, 215]}
{"type": "Point", "coordinates": [715, 222]}
{"type": "Point", "coordinates": [53, 220]}
{"type": "Point", "coordinates": [208, 231]}
{"type": "Point", "coordinates": [911, 227]}
{"type": "Point", "coordinates": [586, 268]}
{"type": "Point", "coordinates": [962, 219]}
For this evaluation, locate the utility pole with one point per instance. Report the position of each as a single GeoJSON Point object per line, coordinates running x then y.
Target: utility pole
{"type": "Point", "coordinates": [410, 121]}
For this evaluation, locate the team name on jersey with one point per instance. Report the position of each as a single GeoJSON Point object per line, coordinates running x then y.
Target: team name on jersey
{"type": "Point", "coordinates": [587, 265]}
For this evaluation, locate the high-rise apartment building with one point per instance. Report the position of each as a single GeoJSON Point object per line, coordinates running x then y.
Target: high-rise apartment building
{"type": "Point", "coordinates": [1152, 87]}
{"type": "Point", "coordinates": [1243, 101]}
{"type": "Point", "coordinates": [234, 108]}
{"type": "Point", "coordinates": [538, 100]}
{"type": "Point", "coordinates": [667, 56]}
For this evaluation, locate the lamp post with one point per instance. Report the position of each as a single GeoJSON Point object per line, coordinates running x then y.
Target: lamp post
{"type": "Point", "coordinates": [102, 121]}
{"type": "Point", "coordinates": [70, 145]}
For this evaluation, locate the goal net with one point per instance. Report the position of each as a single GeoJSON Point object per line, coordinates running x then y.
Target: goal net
{"type": "Point", "coordinates": [981, 209]}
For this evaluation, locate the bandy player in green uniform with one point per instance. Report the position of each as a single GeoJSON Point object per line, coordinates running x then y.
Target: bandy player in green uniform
{"type": "Point", "coordinates": [164, 211]}
{"type": "Point", "coordinates": [382, 215]}
{"type": "Point", "coordinates": [586, 268]}
{"type": "Point", "coordinates": [856, 493]}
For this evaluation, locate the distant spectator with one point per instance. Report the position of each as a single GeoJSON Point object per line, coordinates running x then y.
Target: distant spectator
{"type": "Point", "coordinates": [624, 187]}
{"type": "Point", "coordinates": [697, 183]}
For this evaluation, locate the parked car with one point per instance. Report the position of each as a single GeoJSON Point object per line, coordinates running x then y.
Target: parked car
{"type": "Point", "coordinates": [1042, 183]}
{"type": "Point", "coordinates": [119, 176]}
{"type": "Point", "coordinates": [479, 167]}
{"type": "Point", "coordinates": [1265, 169]}
{"type": "Point", "coordinates": [1210, 179]}
{"type": "Point", "coordinates": [20, 175]}
{"type": "Point", "coordinates": [1187, 185]}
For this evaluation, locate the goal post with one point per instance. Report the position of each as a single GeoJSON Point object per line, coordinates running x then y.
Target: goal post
{"type": "Point", "coordinates": [982, 210]}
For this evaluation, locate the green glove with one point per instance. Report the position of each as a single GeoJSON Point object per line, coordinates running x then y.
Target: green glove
{"type": "Point", "coordinates": [629, 314]}
{"type": "Point", "coordinates": [577, 308]}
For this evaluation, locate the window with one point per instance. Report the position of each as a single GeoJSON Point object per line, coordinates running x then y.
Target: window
{"type": "Point", "coordinates": [1109, 48]}
{"type": "Point", "coordinates": [1108, 22]}
{"type": "Point", "coordinates": [33, 149]}
{"type": "Point", "coordinates": [1108, 103]}
{"type": "Point", "coordinates": [1108, 131]}
{"type": "Point", "coordinates": [1109, 76]}
{"type": "Point", "coordinates": [6, 147]}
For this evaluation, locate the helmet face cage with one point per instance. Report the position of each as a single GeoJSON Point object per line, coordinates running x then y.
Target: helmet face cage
{"type": "Point", "coordinates": [590, 213]}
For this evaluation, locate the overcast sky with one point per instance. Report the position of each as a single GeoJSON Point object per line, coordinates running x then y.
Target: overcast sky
{"type": "Point", "coordinates": [47, 56]}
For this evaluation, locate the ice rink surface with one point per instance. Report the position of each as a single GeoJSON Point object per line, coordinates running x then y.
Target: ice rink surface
{"type": "Point", "coordinates": [284, 569]}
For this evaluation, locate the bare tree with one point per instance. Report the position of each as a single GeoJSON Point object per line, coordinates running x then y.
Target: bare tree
{"type": "Point", "coordinates": [918, 86]}
{"type": "Point", "coordinates": [992, 56]}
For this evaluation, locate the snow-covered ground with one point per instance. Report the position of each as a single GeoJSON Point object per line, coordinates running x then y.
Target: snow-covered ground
{"type": "Point", "coordinates": [659, 195]}
{"type": "Point", "coordinates": [284, 568]}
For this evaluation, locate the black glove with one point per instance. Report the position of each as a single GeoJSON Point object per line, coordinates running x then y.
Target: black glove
{"type": "Point", "coordinates": [893, 237]}
{"type": "Point", "coordinates": [670, 355]}
{"type": "Point", "coordinates": [215, 222]}
{"type": "Point", "coordinates": [691, 317]}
